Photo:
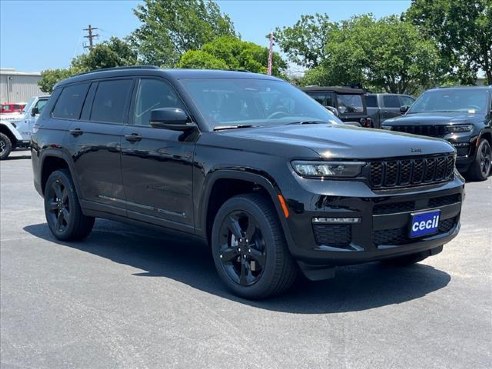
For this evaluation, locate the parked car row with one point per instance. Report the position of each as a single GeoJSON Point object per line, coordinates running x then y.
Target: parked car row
{"type": "Point", "coordinates": [460, 115]}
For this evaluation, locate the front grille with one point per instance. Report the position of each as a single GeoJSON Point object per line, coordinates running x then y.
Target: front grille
{"type": "Point", "coordinates": [411, 172]}
{"type": "Point", "coordinates": [433, 131]}
{"type": "Point", "coordinates": [338, 235]}
{"type": "Point", "coordinates": [399, 236]}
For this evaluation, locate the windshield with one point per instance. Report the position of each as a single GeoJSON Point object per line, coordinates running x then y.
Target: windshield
{"type": "Point", "coordinates": [446, 100]}
{"type": "Point", "coordinates": [350, 104]}
{"type": "Point", "coordinates": [254, 102]}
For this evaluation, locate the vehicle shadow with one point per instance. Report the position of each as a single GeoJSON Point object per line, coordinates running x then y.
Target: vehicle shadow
{"type": "Point", "coordinates": [18, 157]}
{"type": "Point", "coordinates": [187, 260]}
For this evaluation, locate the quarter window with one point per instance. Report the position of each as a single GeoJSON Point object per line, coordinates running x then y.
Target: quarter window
{"type": "Point", "coordinates": [110, 102]}
{"type": "Point", "coordinates": [153, 94]}
{"type": "Point", "coordinates": [70, 101]}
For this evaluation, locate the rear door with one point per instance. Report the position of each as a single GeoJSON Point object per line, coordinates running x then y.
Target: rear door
{"type": "Point", "coordinates": [157, 163]}
{"type": "Point", "coordinates": [95, 141]}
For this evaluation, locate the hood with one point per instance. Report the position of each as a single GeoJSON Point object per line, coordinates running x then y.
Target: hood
{"type": "Point", "coordinates": [330, 141]}
{"type": "Point", "coordinates": [434, 119]}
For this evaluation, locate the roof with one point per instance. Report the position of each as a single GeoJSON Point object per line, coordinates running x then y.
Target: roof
{"type": "Point", "coordinates": [337, 89]}
{"type": "Point", "coordinates": [13, 72]}
{"type": "Point", "coordinates": [175, 74]}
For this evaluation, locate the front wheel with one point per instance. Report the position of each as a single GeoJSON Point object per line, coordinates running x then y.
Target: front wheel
{"type": "Point", "coordinates": [5, 146]}
{"type": "Point", "coordinates": [482, 164]}
{"type": "Point", "coordinates": [62, 208]}
{"type": "Point", "coordinates": [249, 248]}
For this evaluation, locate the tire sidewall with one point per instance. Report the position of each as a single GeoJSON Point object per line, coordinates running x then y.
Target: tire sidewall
{"type": "Point", "coordinates": [72, 199]}
{"type": "Point", "coordinates": [245, 204]}
{"type": "Point", "coordinates": [8, 146]}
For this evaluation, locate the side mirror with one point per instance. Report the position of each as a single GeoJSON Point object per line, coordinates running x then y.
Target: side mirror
{"type": "Point", "coordinates": [174, 119]}
{"type": "Point", "coordinates": [34, 111]}
{"type": "Point", "coordinates": [333, 110]}
{"type": "Point", "coordinates": [404, 109]}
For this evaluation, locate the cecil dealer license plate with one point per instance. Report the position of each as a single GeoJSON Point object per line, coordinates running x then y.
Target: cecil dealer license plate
{"type": "Point", "coordinates": [424, 223]}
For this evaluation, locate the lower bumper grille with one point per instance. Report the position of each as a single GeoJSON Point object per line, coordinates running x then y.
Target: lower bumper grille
{"type": "Point", "coordinates": [399, 236]}
{"type": "Point", "coordinates": [338, 235]}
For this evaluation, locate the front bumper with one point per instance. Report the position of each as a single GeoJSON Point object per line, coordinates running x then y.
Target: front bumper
{"type": "Point", "coordinates": [382, 231]}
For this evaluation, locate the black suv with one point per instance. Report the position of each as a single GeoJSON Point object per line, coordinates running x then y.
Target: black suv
{"type": "Point", "coordinates": [461, 115]}
{"type": "Point", "coordinates": [268, 177]}
{"type": "Point", "coordinates": [348, 104]}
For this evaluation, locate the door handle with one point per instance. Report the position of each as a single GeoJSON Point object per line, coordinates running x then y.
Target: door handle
{"type": "Point", "coordinates": [134, 137]}
{"type": "Point", "coordinates": [76, 132]}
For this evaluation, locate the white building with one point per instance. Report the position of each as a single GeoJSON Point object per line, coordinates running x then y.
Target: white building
{"type": "Point", "coordinates": [16, 87]}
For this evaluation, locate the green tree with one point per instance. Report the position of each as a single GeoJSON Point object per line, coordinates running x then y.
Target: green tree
{"type": "Point", "coordinates": [463, 31]}
{"type": "Point", "coordinates": [172, 27]}
{"type": "Point", "coordinates": [234, 54]}
{"type": "Point", "coordinates": [50, 77]}
{"type": "Point", "coordinates": [108, 54]}
{"type": "Point", "coordinates": [112, 53]}
{"type": "Point", "coordinates": [304, 42]}
{"type": "Point", "coordinates": [385, 55]}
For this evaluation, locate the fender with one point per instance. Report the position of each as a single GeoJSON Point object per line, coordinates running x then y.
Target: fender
{"type": "Point", "coordinates": [47, 153]}
{"type": "Point", "coordinates": [12, 130]}
{"type": "Point", "coordinates": [246, 174]}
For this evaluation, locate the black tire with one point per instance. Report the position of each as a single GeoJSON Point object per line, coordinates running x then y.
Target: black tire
{"type": "Point", "coordinates": [481, 166]}
{"type": "Point", "coordinates": [62, 208]}
{"type": "Point", "coordinates": [249, 248]}
{"type": "Point", "coordinates": [5, 146]}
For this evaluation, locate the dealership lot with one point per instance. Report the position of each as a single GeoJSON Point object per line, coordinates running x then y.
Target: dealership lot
{"type": "Point", "coordinates": [132, 298]}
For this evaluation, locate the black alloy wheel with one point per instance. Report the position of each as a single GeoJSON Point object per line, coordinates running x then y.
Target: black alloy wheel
{"type": "Point", "coordinates": [62, 209]}
{"type": "Point", "coordinates": [481, 167]}
{"type": "Point", "coordinates": [242, 248]}
{"type": "Point", "coordinates": [249, 248]}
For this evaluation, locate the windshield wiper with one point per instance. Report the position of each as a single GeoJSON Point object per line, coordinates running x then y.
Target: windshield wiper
{"type": "Point", "coordinates": [233, 126]}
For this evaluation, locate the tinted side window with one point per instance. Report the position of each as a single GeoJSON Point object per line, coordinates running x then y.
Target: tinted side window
{"type": "Point", "coordinates": [371, 101]}
{"type": "Point", "coordinates": [70, 102]}
{"type": "Point", "coordinates": [391, 101]}
{"type": "Point", "coordinates": [153, 94]}
{"type": "Point", "coordinates": [110, 102]}
{"type": "Point", "coordinates": [406, 100]}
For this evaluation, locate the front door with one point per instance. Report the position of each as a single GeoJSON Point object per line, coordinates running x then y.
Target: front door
{"type": "Point", "coordinates": [157, 163]}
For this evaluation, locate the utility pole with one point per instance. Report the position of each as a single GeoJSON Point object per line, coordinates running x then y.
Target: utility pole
{"type": "Point", "coordinates": [90, 36]}
{"type": "Point", "coordinates": [270, 54]}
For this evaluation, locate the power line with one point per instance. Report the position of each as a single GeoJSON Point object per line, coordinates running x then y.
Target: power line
{"type": "Point", "coordinates": [91, 36]}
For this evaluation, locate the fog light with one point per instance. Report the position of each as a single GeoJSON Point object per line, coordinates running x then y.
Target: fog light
{"type": "Point", "coordinates": [336, 220]}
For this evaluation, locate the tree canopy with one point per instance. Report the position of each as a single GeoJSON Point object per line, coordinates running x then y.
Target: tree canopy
{"type": "Point", "coordinates": [463, 32]}
{"type": "Point", "coordinates": [172, 27]}
{"type": "Point", "coordinates": [112, 53]}
{"type": "Point", "coordinates": [234, 54]}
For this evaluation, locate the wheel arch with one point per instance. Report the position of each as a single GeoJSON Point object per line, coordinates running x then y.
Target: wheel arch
{"type": "Point", "coordinates": [7, 132]}
{"type": "Point", "coordinates": [225, 184]}
{"type": "Point", "coordinates": [55, 160]}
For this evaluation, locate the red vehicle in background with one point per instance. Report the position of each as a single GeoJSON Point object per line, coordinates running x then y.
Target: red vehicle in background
{"type": "Point", "coordinates": [11, 108]}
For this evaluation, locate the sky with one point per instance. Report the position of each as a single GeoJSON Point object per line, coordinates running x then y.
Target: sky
{"type": "Point", "coordinates": [37, 35]}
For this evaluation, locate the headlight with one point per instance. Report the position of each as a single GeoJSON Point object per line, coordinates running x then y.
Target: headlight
{"type": "Point", "coordinates": [327, 169]}
{"type": "Point", "coordinates": [459, 128]}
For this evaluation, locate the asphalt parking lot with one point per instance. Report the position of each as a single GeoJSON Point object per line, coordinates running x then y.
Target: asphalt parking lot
{"type": "Point", "coordinates": [132, 298]}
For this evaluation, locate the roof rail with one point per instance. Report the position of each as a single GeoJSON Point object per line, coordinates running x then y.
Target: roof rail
{"type": "Point", "coordinates": [119, 68]}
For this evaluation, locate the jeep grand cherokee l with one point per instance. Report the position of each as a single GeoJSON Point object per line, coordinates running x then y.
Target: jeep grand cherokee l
{"type": "Point", "coordinates": [461, 115]}
{"type": "Point", "coordinates": [247, 162]}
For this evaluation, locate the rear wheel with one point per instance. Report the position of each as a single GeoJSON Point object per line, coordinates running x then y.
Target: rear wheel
{"type": "Point", "coordinates": [481, 166]}
{"type": "Point", "coordinates": [62, 208]}
{"type": "Point", "coordinates": [249, 248]}
{"type": "Point", "coordinates": [5, 146]}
